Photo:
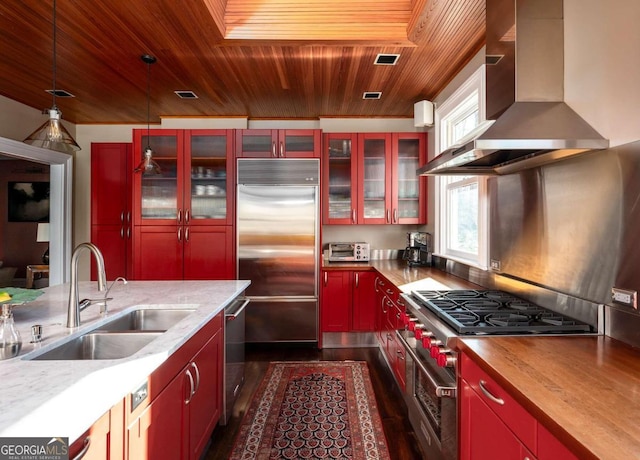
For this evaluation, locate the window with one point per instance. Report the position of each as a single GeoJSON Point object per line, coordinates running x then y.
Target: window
{"type": "Point", "coordinates": [461, 201]}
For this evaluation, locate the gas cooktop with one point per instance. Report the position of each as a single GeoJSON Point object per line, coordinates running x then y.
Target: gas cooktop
{"type": "Point", "coordinates": [476, 312]}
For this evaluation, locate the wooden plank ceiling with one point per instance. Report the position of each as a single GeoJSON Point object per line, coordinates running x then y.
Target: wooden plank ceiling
{"type": "Point", "coordinates": [263, 59]}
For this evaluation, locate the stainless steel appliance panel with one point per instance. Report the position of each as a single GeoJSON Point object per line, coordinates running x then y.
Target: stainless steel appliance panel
{"type": "Point", "coordinates": [271, 320]}
{"type": "Point", "coordinates": [277, 239]}
{"type": "Point", "coordinates": [234, 343]}
{"type": "Point", "coordinates": [277, 236]}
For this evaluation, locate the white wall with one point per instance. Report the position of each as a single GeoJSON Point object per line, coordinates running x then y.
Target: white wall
{"type": "Point", "coordinates": [17, 120]}
{"type": "Point", "coordinates": [602, 65]}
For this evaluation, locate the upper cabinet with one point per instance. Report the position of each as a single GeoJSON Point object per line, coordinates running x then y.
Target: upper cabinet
{"type": "Point", "coordinates": [370, 178]}
{"type": "Point", "coordinates": [278, 143]}
{"type": "Point", "coordinates": [195, 183]}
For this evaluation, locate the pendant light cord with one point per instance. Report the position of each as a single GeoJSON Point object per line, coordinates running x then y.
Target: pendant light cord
{"type": "Point", "coordinates": [54, 55]}
{"type": "Point", "coordinates": [148, 103]}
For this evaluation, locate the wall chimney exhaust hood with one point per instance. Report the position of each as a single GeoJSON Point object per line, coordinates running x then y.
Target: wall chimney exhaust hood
{"type": "Point", "coordinates": [529, 123]}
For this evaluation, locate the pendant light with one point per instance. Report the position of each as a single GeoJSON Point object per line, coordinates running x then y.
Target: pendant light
{"type": "Point", "coordinates": [147, 165]}
{"type": "Point", "coordinates": [52, 134]}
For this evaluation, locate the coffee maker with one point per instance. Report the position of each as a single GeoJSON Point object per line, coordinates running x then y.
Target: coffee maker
{"type": "Point", "coordinates": [418, 250]}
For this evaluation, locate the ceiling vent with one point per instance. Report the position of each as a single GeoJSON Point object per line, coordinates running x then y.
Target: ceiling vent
{"type": "Point", "coordinates": [59, 93]}
{"type": "Point", "coordinates": [372, 95]}
{"type": "Point", "coordinates": [186, 94]}
{"type": "Point", "coordinates": [386, 59]}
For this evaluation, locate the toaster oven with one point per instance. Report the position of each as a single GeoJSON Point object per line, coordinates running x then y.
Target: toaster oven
{"type": "Point", "coordinates": [348, 252]}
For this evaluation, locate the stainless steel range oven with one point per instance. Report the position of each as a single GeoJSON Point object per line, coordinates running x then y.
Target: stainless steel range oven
{"type": "Point", "coordinates": [431, 320]}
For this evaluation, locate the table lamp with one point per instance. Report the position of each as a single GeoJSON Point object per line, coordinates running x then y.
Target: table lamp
{"type": "Point", "coordinates": [43, 237]}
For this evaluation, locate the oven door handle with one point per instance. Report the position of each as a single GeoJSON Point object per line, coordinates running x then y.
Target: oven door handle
{"type": "Point", "coordinates": [442, 391]}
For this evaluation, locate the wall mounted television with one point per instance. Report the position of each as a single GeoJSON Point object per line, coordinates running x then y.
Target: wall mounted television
{"type": "Point", "coordinates": [28, 202]}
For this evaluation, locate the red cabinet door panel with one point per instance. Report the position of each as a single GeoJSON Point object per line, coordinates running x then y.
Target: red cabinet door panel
{"type": "Point", "coordinates": [158, 252]}
{"type": "Point", "coordinates": [208, 253]}
{"type": "Point", "coordinates": [364, 301]}
{"type": "Point", "coordinates": [336, 301]}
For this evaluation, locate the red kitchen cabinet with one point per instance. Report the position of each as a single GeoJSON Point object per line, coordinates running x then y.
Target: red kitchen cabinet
{"type": "Point", "coordinates": [364, 301]}
{"type": "Point", "coordinates": [111, 175]}
{"type": "Point", "coordinates": [104, 440]}
{"type": "Point", "coordinates": [550, 448]}
{"type": "Point", "coordinates": [489, 412]}
{"type": "Point", "coordinates": [370, 178]}
{"type": "Point", "coordinates": [204, 406]}
{"type": "Point", "coordinates": [484, 436]}
{"type": "Point", "coordinates": [184, 215]}
{"type": "Point", "coordinates": [167, 252]}
{"type": "Point", "coordinates": [158, 431]}
{"type": "Point", "coordinates": [348, 301]}
{"type": "Point", "coordinates": [278, 143]}
{"type": "Point", "coordinates": [340, 178]}
{"type": "Point", "coordinates": [195, 186]}
{"type": "Point", "coordinates": [185, 400]}
{"type": "Point", "coordinates": [337, 288]}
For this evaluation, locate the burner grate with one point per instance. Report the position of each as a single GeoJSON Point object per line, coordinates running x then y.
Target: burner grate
{"type": "Point", "coordinates": [472, 312]}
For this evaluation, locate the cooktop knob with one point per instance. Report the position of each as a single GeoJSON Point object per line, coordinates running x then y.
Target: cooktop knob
{"type": "Point", "coordinates": [446, 359]}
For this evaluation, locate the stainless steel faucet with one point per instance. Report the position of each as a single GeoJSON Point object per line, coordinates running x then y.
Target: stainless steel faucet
{"type": "Point", "coordinates": [73, 311]}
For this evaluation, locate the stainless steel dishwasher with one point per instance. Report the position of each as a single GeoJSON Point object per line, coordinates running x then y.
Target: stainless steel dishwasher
{"type": "Point", "coordinates": [233, 354]}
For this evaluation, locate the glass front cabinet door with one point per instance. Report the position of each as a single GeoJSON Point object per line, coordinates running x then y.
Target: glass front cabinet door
{"type": "Point", "coordinates": [209, 177]}
{"type": "Point", "coordinates": [157, 191]}
{"type": "Point", "coordinates": [409, 191]}
{"type": "Point", "coordinates": [340, 178]}
{"type": "Point", "coordinates": [374, 178]}
{"type": "Point", "coordinates": [194, 183]}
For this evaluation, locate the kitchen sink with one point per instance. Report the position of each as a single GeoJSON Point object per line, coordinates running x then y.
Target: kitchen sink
{"type": "Point", "coordinates": [100, 345]}
{"type": "Point", "coordinates": [146, 320]}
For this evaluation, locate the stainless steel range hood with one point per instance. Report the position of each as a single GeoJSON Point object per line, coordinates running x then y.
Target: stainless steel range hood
{"type": "Point", "coordinates": [525, 91]}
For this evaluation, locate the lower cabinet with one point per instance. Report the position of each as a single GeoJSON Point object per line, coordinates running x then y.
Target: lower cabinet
{"type": "Point", "coordinates": [177, 422]}
{"type": "Point", "coordinates": [105, 438]}
{"type": "Point", "coordinates": [389, 306]}
{"type": "Point", "coordinates": [348, 301]}
{"type": "Point", "coordinates": [166, 252]}
{"type": "Point", "coordinates": [488, 412]}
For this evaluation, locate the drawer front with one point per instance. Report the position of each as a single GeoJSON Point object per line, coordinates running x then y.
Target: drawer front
{"type": "Point", "coordinates": [519, 421]}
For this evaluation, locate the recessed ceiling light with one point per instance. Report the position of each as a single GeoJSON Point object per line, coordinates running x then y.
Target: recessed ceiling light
{"type": "Point", "coordinates": [386, 59]}
{"type": "Point", "coordinates": [372, 95]}
{"type": "Point", "coordinates": [186, 94]}
{"type": "Point", "coordinates": [60, 93]}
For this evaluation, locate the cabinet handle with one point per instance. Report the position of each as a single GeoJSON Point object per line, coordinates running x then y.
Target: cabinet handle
{"type": "Point", "coordinates": [281, 149]}
{"type": "Point", "coordinates": [273, 150]}
{"type": "Point", "coordinates": [192, 389]}
{"type": "Point", "coordinates": [122, 216]}
{"type": "Point", "coordinates": [186, 216]}
{"type": "Point", "coordinates": [128, 232]}
{"type": "Point", "coordinates": [85, 448]}
{"type": "Point", "coordinates": [395, 215]}
{"type": "Point", "coordinates": [326, 278]}
{"type": "Point", "coordinates": [121, 232]}
{"type": "Point", "coordinates": [179, 216]}
{"type": "Point", "coordinates": [353, 216]}
{"type": "Point", "coordinates": [129, 216]}
{"type": "Point", "coordinates": [388, 216]}
{"type": "Point", "coordinates": [195, 368]}
{"type": "Point", "coordinates": [382, 303]}
{"type": "Point", "coordinates": [488, 394]}
{"type": "Point", "coordinates": [186, 234]}
{"type": "Point", "coordinates": [180, 234]}
{"type": "Point", "coordinates": [400, 354]}
{"type": "Point", "coordinates": [357, 279]}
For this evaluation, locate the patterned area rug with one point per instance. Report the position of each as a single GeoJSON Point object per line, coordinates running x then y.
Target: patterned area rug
{"type": "Point", "coordinates": [312, 410]}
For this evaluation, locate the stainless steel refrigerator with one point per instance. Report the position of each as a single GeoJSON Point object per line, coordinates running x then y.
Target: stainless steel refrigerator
{"type": "Point", "coordinates": [277, 217]}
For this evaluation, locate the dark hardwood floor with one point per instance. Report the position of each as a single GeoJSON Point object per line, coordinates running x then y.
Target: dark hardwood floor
{"type": "Point", "coordinates": [399, 433]}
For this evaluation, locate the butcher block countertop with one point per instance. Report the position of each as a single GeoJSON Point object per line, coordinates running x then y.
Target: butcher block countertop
{"type": "Point", "coordinates": [584, 389]}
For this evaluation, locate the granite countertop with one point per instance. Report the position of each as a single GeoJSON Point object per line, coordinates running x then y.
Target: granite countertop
{"type": "Point", "coordinates": [584, 390]}
{"type": "Point", "coordinates": [64, 398]}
